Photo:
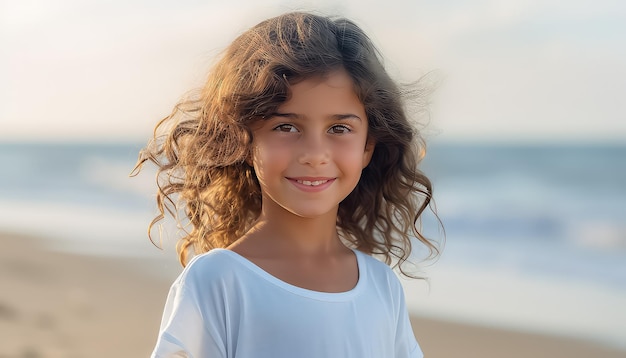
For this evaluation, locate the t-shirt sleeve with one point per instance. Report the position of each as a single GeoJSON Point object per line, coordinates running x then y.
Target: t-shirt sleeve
{"type": "Point", "coordinates": [184, 331]}
{"type": "Point", "coordinates": [406, 344]}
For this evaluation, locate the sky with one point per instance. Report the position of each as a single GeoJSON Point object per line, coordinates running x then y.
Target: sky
{"type": "Point", "coordinates": [507, 70]}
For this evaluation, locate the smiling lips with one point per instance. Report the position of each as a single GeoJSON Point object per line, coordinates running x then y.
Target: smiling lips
{"type": "Point", "coordinates": [312, 184]}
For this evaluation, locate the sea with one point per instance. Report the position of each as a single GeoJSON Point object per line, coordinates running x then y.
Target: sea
{"type": "Point", "coordinates": [533, 236]}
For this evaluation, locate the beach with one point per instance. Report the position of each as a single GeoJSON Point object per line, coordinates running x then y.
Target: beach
{"type": "Point", "coordinates": [58, 304]}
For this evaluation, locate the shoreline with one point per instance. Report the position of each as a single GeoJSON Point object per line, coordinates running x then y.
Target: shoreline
{"type": "Point", "coordinates": [61, 304]}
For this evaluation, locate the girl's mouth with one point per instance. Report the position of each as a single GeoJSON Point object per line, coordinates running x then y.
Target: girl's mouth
{"type": "Point", "coordinates": [312, 183]}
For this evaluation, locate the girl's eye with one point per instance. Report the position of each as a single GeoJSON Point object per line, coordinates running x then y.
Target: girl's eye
{"type": "Point", "coordinates": [286, 128]}
{"type": "Point", "coordinates": [339, 129]}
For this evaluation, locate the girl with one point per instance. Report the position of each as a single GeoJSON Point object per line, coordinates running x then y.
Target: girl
{"type": "Point", "coordinates": [294, 165]}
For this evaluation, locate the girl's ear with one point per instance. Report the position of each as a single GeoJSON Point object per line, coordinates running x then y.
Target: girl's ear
{"type": "Point", "coordinates": [249, 155]}
{"type": "Point", "coordinates": [369, 151]}
{"type": "Point", "coordinates": [248, 159]}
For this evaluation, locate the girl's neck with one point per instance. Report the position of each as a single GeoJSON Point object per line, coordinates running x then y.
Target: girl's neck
{"type": "Point", "coordinates": [279, 232]}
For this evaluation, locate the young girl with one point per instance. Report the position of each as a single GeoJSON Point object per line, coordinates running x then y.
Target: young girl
{"type": "Point", "coordinates": [294, 165]}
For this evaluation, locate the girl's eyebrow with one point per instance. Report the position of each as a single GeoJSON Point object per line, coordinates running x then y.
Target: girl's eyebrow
{"type": "Point", "coordinates": [341, 116]}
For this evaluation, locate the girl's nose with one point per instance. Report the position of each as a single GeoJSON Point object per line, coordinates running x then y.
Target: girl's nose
{"type": "Point", "coordinates": [314, 151]}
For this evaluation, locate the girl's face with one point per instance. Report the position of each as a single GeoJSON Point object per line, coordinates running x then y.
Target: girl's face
{"type": "Point", "coordinates": [309, 155]}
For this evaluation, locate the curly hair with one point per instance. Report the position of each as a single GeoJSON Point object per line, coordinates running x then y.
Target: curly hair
{"type": "Point", "coordinates": [200, 149]}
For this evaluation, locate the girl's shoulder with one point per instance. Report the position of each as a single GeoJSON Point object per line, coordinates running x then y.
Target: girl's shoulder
{"type": "Point", "coordinates": [377, 270]}
{"type": "Point", "coordinates": [381, 279]}
{"type": "Point", "coordinates": [372, 262]}
{"type": "Point", "coordinates": [212, 257]}
{"type": "Point", "coordinates": [209, 267]}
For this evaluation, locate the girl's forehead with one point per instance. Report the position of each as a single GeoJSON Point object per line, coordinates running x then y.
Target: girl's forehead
{"type": "Point", "coordinates": [333, 73]}
{"type": "Point", "coordinates": [338, 78]}
{"type": "Point", "coordinates": [332, 92]}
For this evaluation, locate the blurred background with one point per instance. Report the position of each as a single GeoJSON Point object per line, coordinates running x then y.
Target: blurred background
{"type": "Point", "coordinates": [527, 143]}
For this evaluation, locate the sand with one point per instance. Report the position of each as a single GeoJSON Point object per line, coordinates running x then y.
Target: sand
{"type": "Point", "coordinates": [56, 304]}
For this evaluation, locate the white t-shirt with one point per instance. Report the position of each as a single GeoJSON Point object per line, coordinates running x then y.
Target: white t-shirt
{"type": "Point", "coordinates": [223, 305]}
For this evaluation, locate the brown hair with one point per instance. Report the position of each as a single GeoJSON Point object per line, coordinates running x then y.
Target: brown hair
{"type": "Point", "coordinates": [201, 147]}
